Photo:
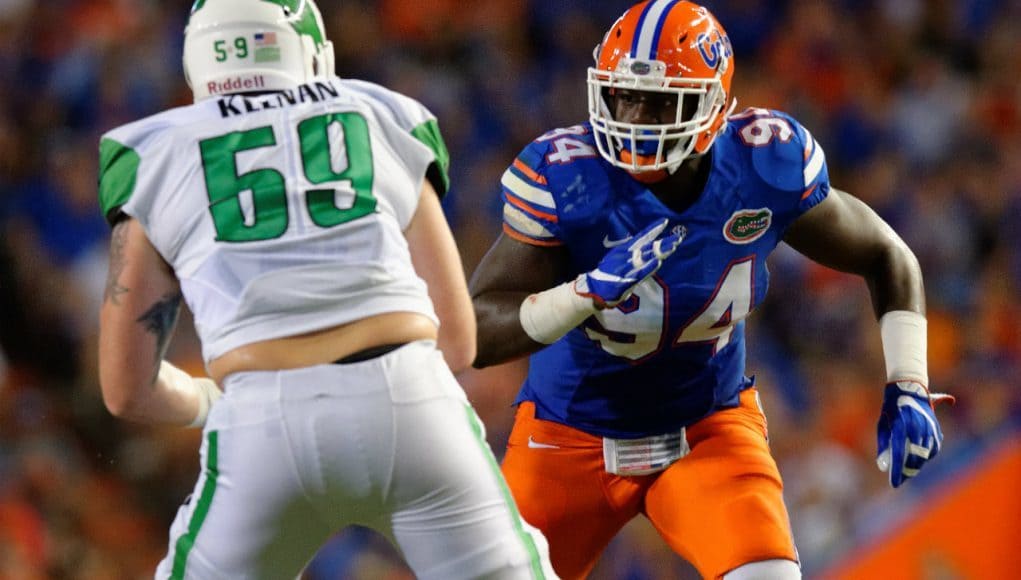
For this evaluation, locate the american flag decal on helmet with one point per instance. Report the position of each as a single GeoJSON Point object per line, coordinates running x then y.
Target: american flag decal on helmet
{"type": "Point", "coordinates": [266, 47]}
{"type": "Point", "coordinates": [265, 38]}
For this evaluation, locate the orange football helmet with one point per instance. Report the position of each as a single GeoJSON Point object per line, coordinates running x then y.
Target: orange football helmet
{"type": "Point", "coordinates": [664, 46]}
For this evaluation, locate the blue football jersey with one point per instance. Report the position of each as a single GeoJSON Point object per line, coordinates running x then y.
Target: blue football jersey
{"type": "Point", "coordinates": [675, 350]}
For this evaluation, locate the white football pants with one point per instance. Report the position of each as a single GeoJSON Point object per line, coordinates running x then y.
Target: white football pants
{"type": "Point", "coordinates": [291, 457]}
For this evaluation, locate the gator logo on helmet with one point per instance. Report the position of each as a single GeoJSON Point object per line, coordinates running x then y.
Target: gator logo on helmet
{"type": "Point", "coordinates": [747, 225]}
{"type": "Point", "coordinates": [715, 48]}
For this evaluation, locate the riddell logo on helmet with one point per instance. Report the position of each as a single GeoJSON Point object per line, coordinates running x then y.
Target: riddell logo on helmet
{"type": "Point", "coordinates": [236, 84]}
{"type": "Point", "coordinates": [641, 68]}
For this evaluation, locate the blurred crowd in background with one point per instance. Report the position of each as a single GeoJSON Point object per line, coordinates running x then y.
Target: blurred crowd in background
{"type": "Point", "coordinates": [917, 103]}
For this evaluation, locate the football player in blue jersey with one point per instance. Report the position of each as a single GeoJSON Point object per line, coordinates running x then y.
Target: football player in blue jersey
{"type": "Point", "coordinates": [633, 248]}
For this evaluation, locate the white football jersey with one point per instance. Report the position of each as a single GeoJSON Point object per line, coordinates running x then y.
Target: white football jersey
{"type": "Point", "coordinates": [281, 213]}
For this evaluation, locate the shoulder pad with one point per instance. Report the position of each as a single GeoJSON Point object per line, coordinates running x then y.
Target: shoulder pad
{"type": "Point", "coordinates": [411, 116]}
{"type": "Point", "coordinates": [780, 148]}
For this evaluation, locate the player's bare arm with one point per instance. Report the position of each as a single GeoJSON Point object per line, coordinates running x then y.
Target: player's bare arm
{"type": "Point", "coordinates": [437, 261]}
{"type": "Point", "coordinates": [141, 305]}
{"type": "Point", "coordinates": [545, 313]}
{"type": "Point", "coordinates": [845, 234]}
{"type": "Point", "coordinates": [508, 273]}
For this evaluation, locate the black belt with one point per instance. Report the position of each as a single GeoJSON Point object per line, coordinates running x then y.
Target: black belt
{"type": "Point", "coordinates": [369, 353]}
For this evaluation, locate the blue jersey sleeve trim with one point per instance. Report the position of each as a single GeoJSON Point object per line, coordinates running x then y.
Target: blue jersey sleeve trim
{"type": "Point", "coordinates": [813, 196]}
{"type": "Point", "coordinates": [529, 210]}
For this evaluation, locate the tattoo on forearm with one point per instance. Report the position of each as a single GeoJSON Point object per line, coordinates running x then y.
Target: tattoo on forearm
{"type": "Point", "coordinates": [118, 240]}
{"type": "Point", "coordinates": [160, 319]}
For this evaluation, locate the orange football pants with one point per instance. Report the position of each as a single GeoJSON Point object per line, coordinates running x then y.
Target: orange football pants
{"type": "Point", "coordinates": [719, 507]}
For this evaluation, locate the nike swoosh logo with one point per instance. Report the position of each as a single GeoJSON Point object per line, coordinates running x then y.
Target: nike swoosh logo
{"type": "Point", "coordinates": [533, 444]}
{"type": "Point", "coordinates": [608, 243]}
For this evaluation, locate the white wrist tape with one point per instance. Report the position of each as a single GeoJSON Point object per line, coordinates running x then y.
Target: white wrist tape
{"type": "Point", "coordinates": [550, 314]}
{"type": "Point", "coordinates": [205, 389]}
{"type": "Point", "coordinates": [209, 393]}
{"type": "Point", "coordinates": [904, 346]}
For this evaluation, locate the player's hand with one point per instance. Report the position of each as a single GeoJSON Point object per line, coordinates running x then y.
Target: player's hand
{"type": "Point", "coordinates": [625, 266]}
{"type": "Point", "coordinates": [908, 432]}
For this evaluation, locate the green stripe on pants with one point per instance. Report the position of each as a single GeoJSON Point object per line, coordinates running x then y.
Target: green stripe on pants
{"type": "Point", "coordinates": [187, 541]}
{"type": "Point", "coordinates": [526, 538]}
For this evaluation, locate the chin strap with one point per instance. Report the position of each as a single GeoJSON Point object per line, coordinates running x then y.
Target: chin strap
{"type": "Point", "coordinates": [657, 175]}
{"type": "Point", "coordinates": [653, 176]}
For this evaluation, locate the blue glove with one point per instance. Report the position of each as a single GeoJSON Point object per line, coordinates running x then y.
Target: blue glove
{"type": "Point", "coordinates": [625, 266]}
{"type": "Point", "coordinates": [908, 432]}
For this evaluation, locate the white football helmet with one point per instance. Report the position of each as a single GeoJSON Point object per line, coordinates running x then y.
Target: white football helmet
{"type": "Point", "coordinates": [233, 46]}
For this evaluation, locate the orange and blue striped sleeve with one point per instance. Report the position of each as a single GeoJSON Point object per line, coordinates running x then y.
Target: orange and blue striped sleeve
{"type": "Point", "coordinates": [529, 209]}
{"type": "Point", "coordinates": [816, 174]}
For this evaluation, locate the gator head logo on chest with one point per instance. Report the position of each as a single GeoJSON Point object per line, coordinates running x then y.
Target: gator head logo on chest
{"type": "Point", "coordinates": [747, 225]}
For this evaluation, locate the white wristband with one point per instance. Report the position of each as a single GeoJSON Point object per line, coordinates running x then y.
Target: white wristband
{"type": "Point", "coordinates": [904, 346]}
{"type": "Point", "coordinates": [550, 314]}
{"type": "Point", "coordinates": [205, 389]}
{"type": "Point", "coordinates": [209, 393]}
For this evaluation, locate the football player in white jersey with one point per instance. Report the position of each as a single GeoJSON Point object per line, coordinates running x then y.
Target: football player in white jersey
{"type": "Point", "coordinates": [298, 216]}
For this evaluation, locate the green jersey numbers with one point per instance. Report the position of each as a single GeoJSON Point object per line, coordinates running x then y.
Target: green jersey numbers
{"type": "Point", "coordinates": [267, 215]}
{"type": "Point", "coordinates": [316, 157]}
{"type": "Point", "coordinates": [252, 206]}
